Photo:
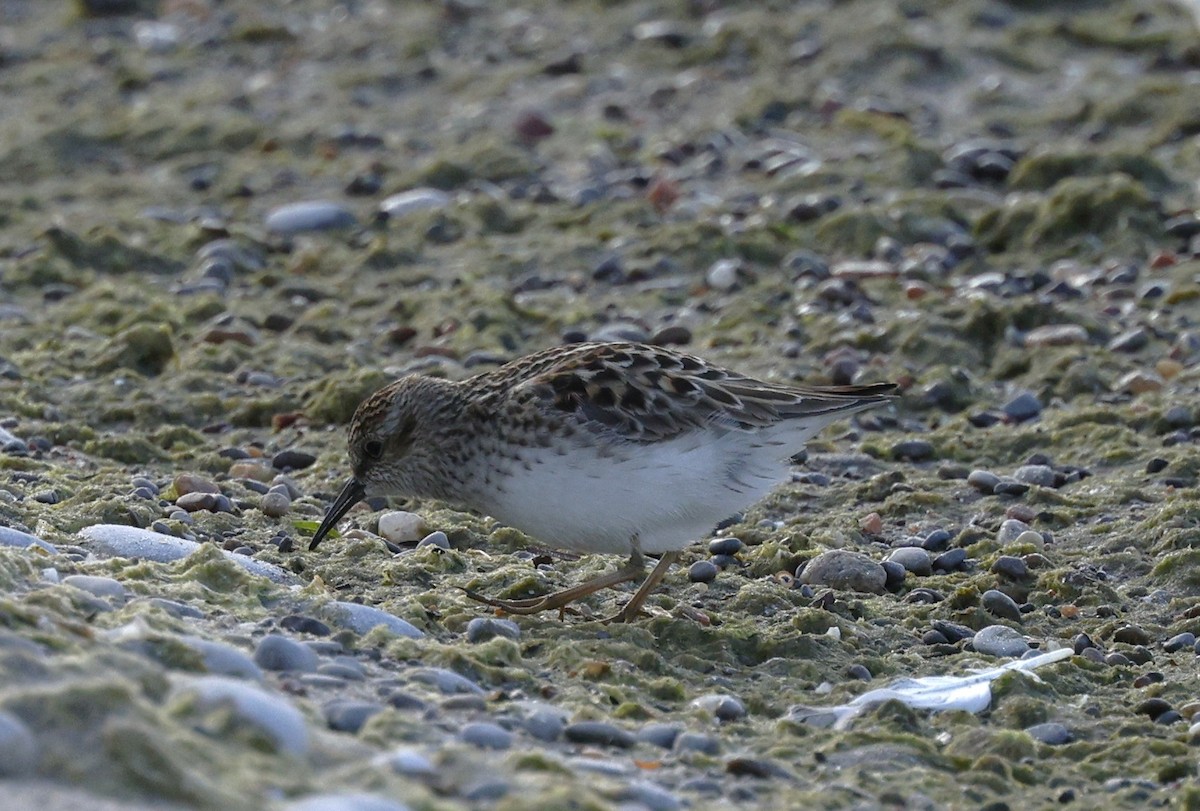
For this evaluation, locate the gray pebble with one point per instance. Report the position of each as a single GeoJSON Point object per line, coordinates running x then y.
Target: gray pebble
{"type": "Point", "coordinates": [310, 215]}
{"type": "Point", "coordinates": [176, 608]}
{"type": "Point", "coordinates": [223, 659]}
{"type": "Point", "coordinates": [437, 539]}
{"type": "Point", "coordinates": [343, 667]}
{"type": "Point", "coordinates": [1010, 566]}
{"type": "Point", "coordinates": [859, 671]}
{"type": "Point", "coordinates": [447, 681]}
{"type": "Point", "coordinates": [97, 586]}
{"type": "Point", "coordinates": [1023, 407]}
{"type": "Point", "coordinates": [723, 706]}
{"type": "Point", "coordinates": [1052, 733]}
{"type": "Point", "coordinates": [118, 540]}
{"type": "Point", "coordinates": [895, 574]}
{"type": "Point", "coordinates": [599, 732]}
{"type": "Point", "coordinates": [274, 716]}
{"type": "Point", "coordinates": [1041, 475]}
{"type": "Point", "coordinates": [697, 742]}
{"type": "Point", "coordinates": [487, 735]}
{"type": "Point", "coordinates": [1179, 642]}
{"type": "Point", "coordinates": [348, 714]}
{"type": "Point", "coordinates": [292, 459]}
{"type": "Point", "coordinates": [659, 734]}
{"type": "Point", "coordinates": [275, 505]}
{"type": "Point", "coordinates": [1010, 487]}
{"type": "Point", "coordinates": [1130, 341]}
{"type": "Point", "coordinates": [725, 546]}
{"type": "Point", "coordinates": [651, 796]}
{"type": "Point", "coordinates": [275, 652]}
{"type": "Point", "coordinates": [950, 560]}
{"type": "Point", "coordinates": [409, 202]}
{"type": "Point", "coordinates": [913, 559]}
{"type": "Point", "coordinates": [1010, 530]}
{"type": "Point", "coordinates": [999, 640]}
{"type": "Point", "coordinates": [545, 724]}
{"type": "Point", "coordinates": [913, 450]}
{"type": "Point", "coordinates": [12, 537]}
{"type": "Point", "coordinates": [362, 618]}
{"type": "Point", "coordinates": [18, 747]}
{"type": "Point", "coordinates": [845, 570]}
{"type": "Point", "coordinates": [1001, 605]}
{"type": "Point", "coordinates": [481, 629]}
{"type": "Point", "coordinates": [486, 789]}
{"type": "Point", "coordinates": [984, 481]}
{"type": "Point", "coordinates": [409, 762]}
{"type": "Point", "coordinates": [702, 571]}
{"type": "Point", "coordinates": [345, 802]}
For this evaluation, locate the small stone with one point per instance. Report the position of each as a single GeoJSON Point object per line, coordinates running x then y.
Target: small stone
{"type": "Point", "coordinates": [1001, 605]}
{"type": "Point", "coordinates": [1041, 475]}
{"type": "Point", "coordinates": [723, 706]}
{"type": "Point", "coordinates": [932, 637]}
{"type": "Point", "coordinates": [659, 734]}
{"type": "Point", "coordinates": [723, 275]}
{"type": "Point", "coordinates": [1031, 539]}
{"type": "Point", "coordinates": [1023, 407]}
{"type": "Point", "coordinates": [859, 671]}
{"type": "Point", "coordinates": [1140, 382]}
{"type": "Point", "coordinates": [436, 540]}
{"type": "Point", "coordinates": [725, 546]}
{"type": "Point", "coordinates": [186, 483]}
{"type": "Point", "coordinates": [195, 502]}
{"type": "Point", "coordinates": [349, 714]}
{"type": "Point", "coordinates": [1012, 567]}
{"type": "Point", "coordinates": [1056, 335]}
{"type": "Point", "coordinates": [1010, 487]}
{"type": "Point", "coordinates": [362, 618]}
{"type": "Point", "coordinates": [845, 570]}
{"type": "Point", "coordinates": [98, 586]}
{"type": "Point", "coordinates": [872, 524]}
{"type": "Point", "coordinates": [913, 559]}
{"type": "Point", "coordinates": [950, 560]}
{"type": "Point", "coordinates": [272, 715]}
{"type": "Point", "coordinates": [292, 459]}
{"type": "Point", "coordinates": [299, 624]}
{"type": "Point", "coordinates": [251, 471]}
{"type": "Point", "coordinates": [18, 747]}
{"type": "Point", "coordinates": [895, 573]}
{"type": "Point", "coordinates": [1053, 734]}
{"type": "Point", "coordinates": [409, 202]}
{"type": "Point", "coordinates": [276, 652]}
{"type": "Point", "coordinates": [487, 735]}
{"type": "Point", "coordinates": [545, 724]}
{"type": "Point", "coordinates": [275, 505]}
{"type": "Point", "coordinates": [1153, 707]}
{"type": "Point", "coordinates": [702, 571]}
{"type": "Point", "coordinates": [223, 659]}
{"type": "Point", "coordinates": [401, 527]}
{"type": "Point", "coordinates": [447, 681]}
{"type": "Point", "coordinates": [937, 540]}
{"type": "Point", "coordinates": [1010, 530]}
{"type": "Point", "coordinates": [1179, 642]}
{"type": "Point", "coordinates": [1131, 341]}
{"type": "Point", "coordinates": [913, 450]}
{"type": "Point", "coordinates": [1131, 635]}
{"type": "Point", "coordinates": [409, 762]}
{"type": "Point", "coordinates": [310, 215]}
{"type": "Point", "coordinates": [599, 732]}
{"type": "Point", "coordinates": [984, 481]}
{"type": "Point", "coordinates": [999, 640]}
{"type": "Point", "coordinates": [697, 742]}
{"type": "Point", "coordinates": [481, 629]}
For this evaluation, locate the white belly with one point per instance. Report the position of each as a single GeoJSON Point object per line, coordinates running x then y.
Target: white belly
{"type": "Point", "coordinates": [665, 496]}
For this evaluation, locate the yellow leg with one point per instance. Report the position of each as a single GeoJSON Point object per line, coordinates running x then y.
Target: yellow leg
{"type": "Point", "coordinates": [634, 607]}
{"type": "Point", "coordinates": [635, 568]}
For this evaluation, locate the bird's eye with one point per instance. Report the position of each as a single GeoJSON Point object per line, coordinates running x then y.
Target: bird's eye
{"type": "Point", "coordinates": [373, 448]}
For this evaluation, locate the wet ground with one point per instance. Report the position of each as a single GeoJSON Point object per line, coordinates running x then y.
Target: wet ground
{"type": "Point", "coordinates": [991, 203]}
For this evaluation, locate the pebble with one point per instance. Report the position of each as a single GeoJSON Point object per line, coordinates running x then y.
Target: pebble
{"type": "Point", "coordinates": [176, 608]}
{"type": "Point", "coordinates": [447, 681]}
{"type": "Point", "coordinates": [725, 546]}
{"type": "Point", "coordinates": [1010, 487]}
{"type": "Point", "coordinates": [723, 274]}
{"type": "Point", "coordinates": [97, 586]}
{"type": "Point", "coordinates": [349, 714]}
{"type": "Point", "coordinates": [362, 618]}
{"type": "Point", "coordinates": [845, 570]}
{"type": "Point", "coordinates": [913, 450]}
{"type": "Point", "coordinates": [895, 575]}
{"type": "Point", "coordinates": [408, 202]}
{"type": "Point", "coordinates": [195, 502]}
{"type": "Point", "coordinates": [859, 671]}
{"type": "Point", "coordinates": [1131, 635]}
{"type": "Point", "coordinates": [545, 723]}
{"type": "Point", "coordinates": [276, 652]}
{"type": "Point", "coordinates": [18, 747]}
{"type": "Point", "coordinates": [984, 481]}
{"type": "Point", "coordinates": [1153, 707]}
{"type": "Point", "coordinates": [401, 527]}
{"type": "Point", "coordinates": [653, 797]}
{"type": "Point", "coordinates": [1056, 335]}
{"type": "Point", "coordinates": [118, 540]}
{"type": "Point", "coordinates": [1012, 567]}
{"type": "Point", "coordinates": [696, 742]}
{"type": "Point", "coordinates": [346, 669]}
{"type": "Point", "coordinates": [999, 640]}
{"type": "Point", "coordinates": [1051, 733]}
{"type": "Point", "coordinates": [355, 801]}
{"type": "Point", "coordinates": [1023, 407]}
{"type": "Point", "coordinates": [950, 560]}
{"type": "Point", "coordinates": [913, 559]}
{"type": "Point", "coordinates": [292, 459]}
{"type": "Point", "coordinates": [437, 540]}
{"type": "Point", "coordinates": [872, 524]}
{"type": "Point", "coordinates": [223, 659]}
{"type": "Point", "coordinates": [1041, 475]}
{"type": "Point", "coordinates": [186, 483]}
{"type": "Point", "coordinates": [21, 540]}
{"type": "Point", "coordinates": [309, 215]}
{"type": "Point", "coordinates": [1179, 642]}
{"type": "Point", "coordinates": [599, 732]}
{"type": "Point", "coordinates": [299, 624]}
{"type": "Point", "coordinates": [1010, 530]}
{"type": "Point", "coordinates": [1130, 341]}
{"type": "Point", "coordinates": [274, 716]}
{"type": "Point", "coordinates": [487, 735]}
{"type": "Point", "coordinates": [938, 540]}
{"type": "Point", "coordinates": [275, 505]}
{"type": "Point", "coordinates": [659, 734]}
{"type": "Point", "coordinates": [723, 706]}
{"type": "Point", "coordinates": [409, 762]}
{"type": "Point", "coordinates": [1001, 605]}
{"type": "Point", "coordinates": [481, 629]}
{"type": "Point", "coordinates": [702, 571]}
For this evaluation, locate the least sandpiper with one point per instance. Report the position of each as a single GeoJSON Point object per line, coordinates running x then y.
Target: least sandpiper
{"type": "Point", "coordinates": [617, 448]}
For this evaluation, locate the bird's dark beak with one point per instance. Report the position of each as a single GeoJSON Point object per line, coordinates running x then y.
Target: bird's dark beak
{"type": "Point", "coordinates": [351, 494]}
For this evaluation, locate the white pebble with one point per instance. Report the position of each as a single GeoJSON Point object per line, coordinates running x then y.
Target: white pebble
{"type": "Point", "coordinates": [401, 527]}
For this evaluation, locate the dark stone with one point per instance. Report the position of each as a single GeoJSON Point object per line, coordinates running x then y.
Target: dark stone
{"type": "Point", "coordinates": [292, 460]}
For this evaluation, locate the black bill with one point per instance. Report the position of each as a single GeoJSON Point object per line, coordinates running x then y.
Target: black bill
{"type": "Point", "coordinates": [351, 494]}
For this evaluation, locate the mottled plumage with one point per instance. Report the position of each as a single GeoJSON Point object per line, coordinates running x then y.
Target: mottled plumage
{"type": "Point", "coordinates": [598, 447]}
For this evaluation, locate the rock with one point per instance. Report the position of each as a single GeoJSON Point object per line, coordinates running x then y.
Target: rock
{"type": "Point", "coordinates": [309, 215]}
{"type": "Point", "coordinates": [409, 762]}
{"type": "Point", "coordinates": [481, 629]}
{"type": "Point", "coordinates": [275, 505]}
{"type": "Point", "coordinates": [1010, 530]}
{"type": "Point", "coordinates": [725, 546]}
{"type": "Point", "coordinates": [913, 450]}
{"type": "Point", "coordinates": [984, 481]}
{"type": "Point", "coordinates": [871, 523]}
{"type": "Point", "coordinates": [599, 732]}
{"type": "Point", "coordinates": [401, 527]}
{"type": "Point", "coordinates": [913, 559]}
{"type": "Point", "coordinates": [702, 571]}
{"type": "Point", "coordinates": [1131, 341]}
{"type": "Point", "coordinates": [999, 604]}
{"type": "Point", "coordinates": [999, 640]}
{"type": "Point", "coordinates": [660, 734]}
{"type": "Point", "coordinates": [12, 537]}
{"type": "Point", "coordinates": [1140, 382]}
{"type": "Point", "coordinates": [292, 459]}
{"type": "Point", "coordinates": [697, 742]}
{"type": "Point", "coordinates": [845, 570]}
{"type": "Point", "coordinates": [354, 801]}
{"type": "Point", "coordinates": [1131, 635]}
{"type": "Point", "coordinates": [118, 540]}
{"type": "Point", "coordinates": [98, 586]}
{"type": "Point", "coordinates": [1010, 566]}
{"type": "Point", "coordinates": [272, 715]}
{"type": "Point", "coordinates": [950, 560]}
{"type": "Point", "coordinates": [486, 735]}
{"type": "Point", "coordinates": [223, 659]}
{"type": "Point", "coordinates": [408, 202]}
{"type": "Point", "coordinates": [724, 707]}
{"type": "Point", "coordinates": [1041, 475]}
{"type": "Point", "coordinates": [1053, 734]}
{"type": "Point", "coordinates": [186, 483]}
{"type": "Point", "coordinates": [18, 747]}
{"type": "Point", "coordinates": [1179, 642]}
{"type": "Point", "coordinates": [349, 714]}
{"type": "Point", "coordinates": [1056, 335]}
{"type": "Point", "coordinates": [1023, 407]}
{"type": "Point", "coordinates": [647, 795]}
{"type": "Point", "coordinates": [895, 574]}
{"type": "Point", "coordinates": [276, 652]}
{"type": "Point", "coordinates": [447, 681]}
{"type": "Point", "coordinates": [362, 618]}
{"type": "Point", "coordinates": [545, 723]}
{"type": "Point", "coordinates": [437, 540]}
